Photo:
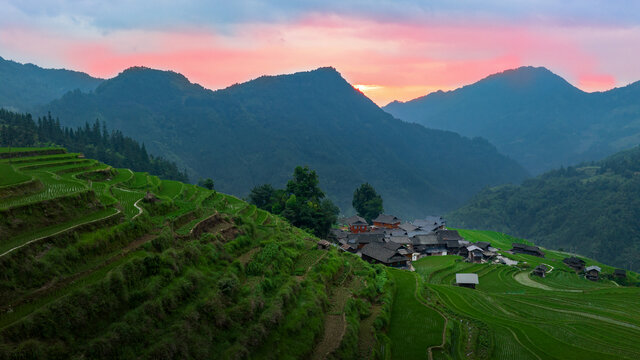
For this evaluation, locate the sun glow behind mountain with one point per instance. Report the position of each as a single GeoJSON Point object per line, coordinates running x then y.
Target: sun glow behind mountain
{"type": "Point", "coordinates": [393, 51]}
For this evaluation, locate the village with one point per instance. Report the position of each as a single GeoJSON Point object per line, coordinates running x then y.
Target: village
{"type": "Point", "coordinates": [392, 242]}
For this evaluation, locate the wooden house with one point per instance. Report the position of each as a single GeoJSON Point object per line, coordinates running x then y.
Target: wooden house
{"type": "Point", "coordinates": [389, 254]}
{"type": "Point", "coordinates": [526, 249]}
{"type": "Point", "coordinates": [387, 221]}
{"type": "Point", "coordinates": [619, 274]}
{"type": "Point", "coordinates": [324, 245]}
{"type": "Point", "coordinates": [574, 263]}
{"type": "Point", "coordinates": [357, 224]}
{"type": "Point", "coordinates": [362, 239]}
{"type": "Point", "coordinates": [475, 254]}
{"type": "Point", "coordinates": [540, 270]}
{"type": "Point", "coordinates": [467, 280]}
{"type": "Point", "coordinates": [430, 223]}
{"type": "Point", "coordinates": [592, 272]}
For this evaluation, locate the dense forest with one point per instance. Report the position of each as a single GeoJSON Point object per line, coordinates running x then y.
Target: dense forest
{"type": "Point", "coordinates": [533, 115]}
{"type": "Point", "coordinates": [256, 132]}
{"type": "Point", "coordinates": [94, 141]}
{"type": "Point", "coordinates": [591, 209]}
{"type": "Point", "coordinates": [24, 86]}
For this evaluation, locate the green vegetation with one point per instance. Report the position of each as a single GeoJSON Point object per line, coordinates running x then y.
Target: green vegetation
{"type": "Point", "coordinates": [187, 273]}
{"type": "Point", "coordinates": [512, 314]}
{"type": "Point", "coordinates": [301, 202]}
{"type": "Point", "coordinates": [257, 132]}
{"type": "Point", "coordinates": [590, 209]}
{"type": "Point", "coordinates": [367, 202]}
{"type": "Point", "coordinates": [93, 141]}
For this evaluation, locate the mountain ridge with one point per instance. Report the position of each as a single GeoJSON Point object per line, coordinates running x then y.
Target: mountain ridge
{"type": "Point", "coordinates": [534, 116]}
{"type": "Point", "coordinates": [257, 132]}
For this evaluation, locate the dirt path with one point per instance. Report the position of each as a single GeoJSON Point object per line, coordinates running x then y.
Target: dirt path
{"type": "Point", "coordinates": [366, 336]}
{"type": "Point", "coordinates": [59, 232]}
{"type": "Point", "coordinates": [134, 204]}
{"type": "Point", "coordinates": [444, 328]}
{"type": "Point", "coordinates": [523, 278]}
{"type": "Point", "coordinates": [335, 325]}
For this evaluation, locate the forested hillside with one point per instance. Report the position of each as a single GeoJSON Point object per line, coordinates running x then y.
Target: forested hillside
{"type": "Point", "coordinates": [591, 209]}
{"type": "Point", "coordinates": [255, 133]}
{"type": "Point", "coordinates": [23, 86]}
{"type": "Point", "coordinates": [534, 116]}
{"type": "Point", "coordinates": [95, 141]}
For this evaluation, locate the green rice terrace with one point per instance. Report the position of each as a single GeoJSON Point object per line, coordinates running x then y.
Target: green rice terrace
{"type": "Point", "coordinates": [98, 262]}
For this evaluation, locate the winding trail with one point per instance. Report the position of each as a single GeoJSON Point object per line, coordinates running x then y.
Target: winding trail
{"type": "Point", "coordinates": [524, 279]}
{"type": "Point", "coordinates": [134, 204]}
{"type": "Point", "coordinates": [59, 232]}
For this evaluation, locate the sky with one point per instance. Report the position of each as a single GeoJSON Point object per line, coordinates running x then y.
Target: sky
{"type": "Point", "coordinates": [390, 49]}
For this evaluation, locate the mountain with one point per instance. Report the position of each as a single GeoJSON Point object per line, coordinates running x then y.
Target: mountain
{"type": "Point", "coordinates": [24, 86]}
{"type": "Point", "coordinates": [591, 209]}
{"type": "Point", "coordinates": [259, 131]}
{"type": "Point", "coordinates": [534, 116]}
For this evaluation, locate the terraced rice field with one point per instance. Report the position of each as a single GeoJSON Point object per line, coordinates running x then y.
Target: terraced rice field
{"type": "Point", "coordinates": [414, 326]}
{"type": "Point", "coordinates": [513, 315]}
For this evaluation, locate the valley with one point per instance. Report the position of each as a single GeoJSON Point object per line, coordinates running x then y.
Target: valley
{"type": "Point", "coordinates": [105, 262]}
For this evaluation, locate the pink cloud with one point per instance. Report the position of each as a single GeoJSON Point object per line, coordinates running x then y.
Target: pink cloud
{"type": "Point", "coordinates": [401, 59]}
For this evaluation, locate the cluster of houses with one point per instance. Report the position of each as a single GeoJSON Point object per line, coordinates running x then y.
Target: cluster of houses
{"type": "Point", "coordinates": [392, 242]}
{"type": "Point", "coordinates": [591, 272]}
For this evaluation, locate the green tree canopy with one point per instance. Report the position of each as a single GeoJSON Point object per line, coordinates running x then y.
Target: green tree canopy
{"type": "Point", "coordinates": [304, 184]}
{"type": "Point", "coordinates": [206, 183]}
{"type": "Point", "coordinates": [302, 202]}
{"type": "Point", "coordinates": [367, 202]}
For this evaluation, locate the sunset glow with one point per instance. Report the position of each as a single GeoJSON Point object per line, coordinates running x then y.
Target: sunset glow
{"type": "Point", "coordinates": [390, 57]}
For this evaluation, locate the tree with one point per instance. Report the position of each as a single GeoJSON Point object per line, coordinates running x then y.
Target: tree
{"type": "Point", "coordinates": [205, 183]}
{"type": "Point", "coordinates": [304, 184]}
{"type": "Point", "coordinates": [262, 196]}
{"type": "Point", "coordinates": [367, 202]}
{"type": "Point", "coordinates": [302, 203]}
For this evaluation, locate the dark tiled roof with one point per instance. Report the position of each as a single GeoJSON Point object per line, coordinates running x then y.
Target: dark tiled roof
{"type": "Point", "coordinates": [453, 244]}
{"type": "Point", "coordinates": [355, 220]}
{"type": "Point", "coordinates": [400, 239]}
{"type": "Point", "coordinates": [395, 232]}
{"type": "Point", "coordinates": [449, 235]}
{"type": "Point", "coordinates": [541, 267]}
{"type": "Point", "coordinates": [430, 239]}
{"type": "Point", "coordinates": [385, 253]}
{"type": "Point", "coordinates": [619, 272]}
{"type": "Point", "coordinates": [573, 261]}
{"type": "Point", "coordinates": [366, 238]}
{"type": "Point", "coordinates": [387, 219]}
{"type": "Point", "coordinates": [527, 248]}
{"type": "Point", "coordinates": [408, 227]}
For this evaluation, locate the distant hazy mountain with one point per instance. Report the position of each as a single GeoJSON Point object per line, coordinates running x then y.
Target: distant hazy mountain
{"type": "Point", "coordinates": [591, 209]}
{"type": "Point", "coordinates": [534, 116]}
{"type": "Point", "coordinates": [257, 132]}
{"type": "Point", "coordinates": [24, 86]}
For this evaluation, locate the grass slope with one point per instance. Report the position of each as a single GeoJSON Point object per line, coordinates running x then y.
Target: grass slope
{"type": "Point", "coordinates": [88, 270]}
